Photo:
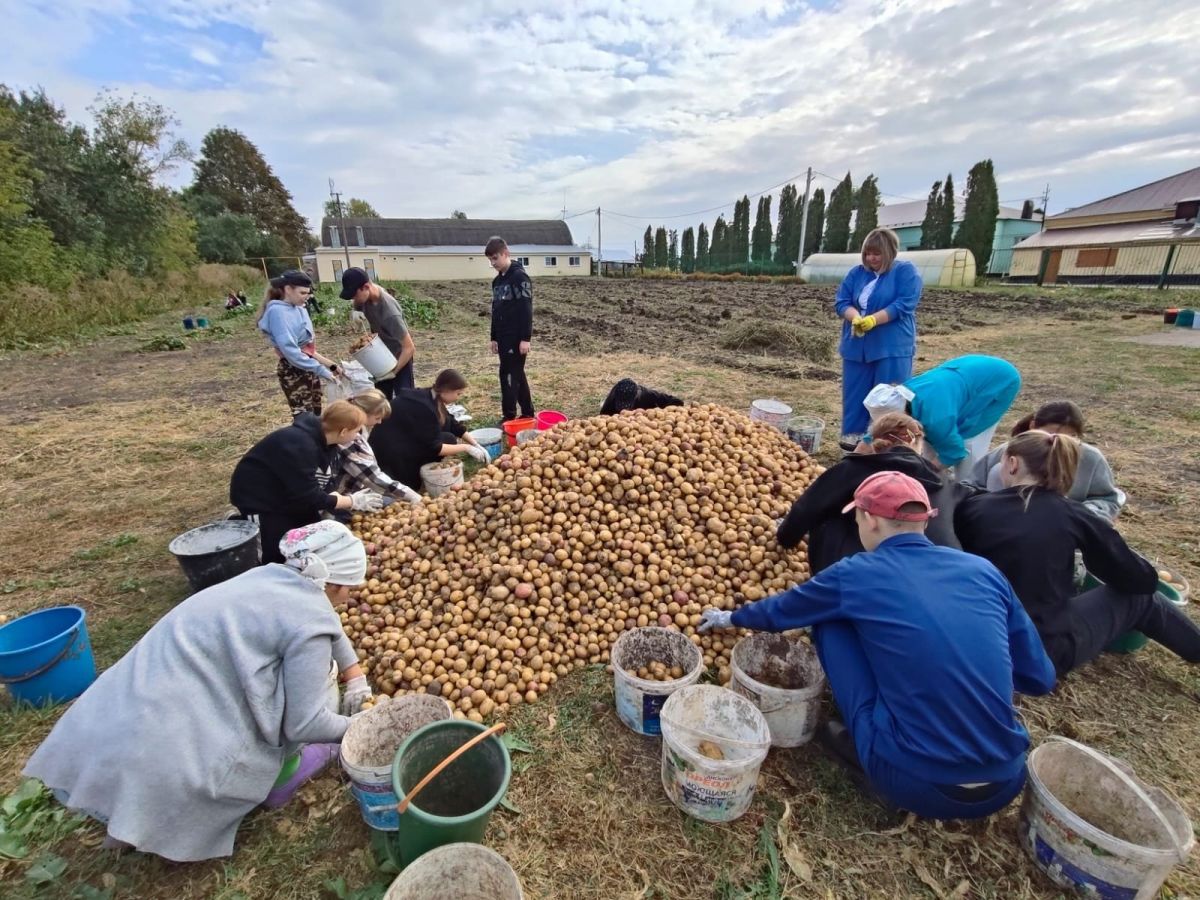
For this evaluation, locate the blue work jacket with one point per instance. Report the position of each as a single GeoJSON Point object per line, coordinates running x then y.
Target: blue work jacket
{"type": "Point", "coordinates": [898, 293]}
{"type": "Point", "coordinates": [961, 398]}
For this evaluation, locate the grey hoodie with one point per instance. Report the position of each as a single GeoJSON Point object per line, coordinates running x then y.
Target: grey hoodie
{"type": "Point", "coordinates": [1093, 487]}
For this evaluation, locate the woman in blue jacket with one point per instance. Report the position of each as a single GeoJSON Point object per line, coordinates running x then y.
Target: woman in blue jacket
{"type": "Point", "coordinates": [877, 300]}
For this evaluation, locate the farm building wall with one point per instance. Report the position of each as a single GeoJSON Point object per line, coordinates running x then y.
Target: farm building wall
{"type": "Point", "coordinates": [1129, 264]}
{"type": "Point", "coordinates": [1009, 233]}
{"type": "Point", "coordinates": [941, 268]}
{"type": "Point", "coordinates": [397, 265]}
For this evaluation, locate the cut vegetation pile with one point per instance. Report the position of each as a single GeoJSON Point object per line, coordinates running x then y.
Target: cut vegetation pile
{"type": "Point", "coordinates": [489, 594]}
{"type": "Point", "coordinates": [779, 339]}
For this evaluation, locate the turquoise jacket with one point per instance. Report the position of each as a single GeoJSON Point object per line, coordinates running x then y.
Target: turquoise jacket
{"type": "Point", "coordinates": [961, 398]}
{"type": "Point", "coordinates": [898, 292]}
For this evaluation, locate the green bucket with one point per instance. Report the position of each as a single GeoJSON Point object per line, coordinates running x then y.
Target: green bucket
{"type": "Point", "coordinates": [1132, 641]}
{"type": "Point", "coordinates": [456, 805]}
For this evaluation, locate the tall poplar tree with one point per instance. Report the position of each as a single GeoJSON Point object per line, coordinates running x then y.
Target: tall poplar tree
{"type": "Point", "coordinates": [673, 250]}
{"type": "Point", "coordinates": [837, 217]}
{"type": "Point", "coordinates": [660, 248]}
{"type": "Point", "coordinates": [867, 219]}
{"type": "Point", "coordinates": [720, 245]}
{"type": "Point", "coordinates": [933, 214]}
{"type": "Point", "coordinates": [648, 248]}
{"type": "Point", "coordinates": [760, 250]}
{"type": "Point", "coordinates": [687, 262]}
{"type": "Point", "coordinates": [977, 230]}
{"type": "Point", "coordinates": [702, 258]}
{"type": "Point", "coordinates": [945, 230]}
{"type": "Point", "coordinates": [816, 223]}
{"type": "Point", "coordinates": [787, 232]}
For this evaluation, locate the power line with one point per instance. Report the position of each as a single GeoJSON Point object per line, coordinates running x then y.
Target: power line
{"type": "Point", "coordinates": [699, 212]}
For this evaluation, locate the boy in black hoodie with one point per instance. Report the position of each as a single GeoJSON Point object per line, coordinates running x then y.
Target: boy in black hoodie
{"type": "Point", "coordinates": [512, 327]}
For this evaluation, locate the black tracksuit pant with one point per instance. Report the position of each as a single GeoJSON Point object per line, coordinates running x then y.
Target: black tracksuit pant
{"type": "Point", "coordinates": [514, 386]}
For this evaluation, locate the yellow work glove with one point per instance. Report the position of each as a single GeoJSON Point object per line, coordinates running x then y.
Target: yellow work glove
{"type": "Point", "coordinates": [863, 324]}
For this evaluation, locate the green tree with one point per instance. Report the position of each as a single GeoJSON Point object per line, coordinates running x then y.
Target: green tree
{"type": "Point", "coordinates": [816, 222]}
{"type": "Point", "coordinates": [837, 218]}
{"type": "Point", "coordinates": [867, 218]}
{"type": "Point", "coordinates": [719, 252]}
{"type": "Point", "coordinates": [458, 214]}
{"type": "Point", "coordinates": [225, 237]}
{"type": "Point", "coordinates": [933, 212]}
{"type": "Point", "coordinates": [27, 249]}
{"type": "Point", "coordinates": [232, 169]}
{"type": "Point", "coordinates": [1027, 209]}
{"type": "Point", "coordinates": [673, 250]}
{"type": "Point", "coordinates": [760, 249]}
{"type": "Point", "coordinates": [787, 233]}
{"type": "Point", "coordinates": [977, 230]}
{"type": "Point", "coordinates": [141, 132]}
{"type": "Point", "coordinates": [703, 263]}
{"type": "Point", "coordinates": [648, 248]}
{"type": "Point", "coordinates": [687, 262]}
{"type": "Point", "coordinates": [660, 248]}
{"type": "Point", "coordinates": [355, 208]}
{"type": "Point", "coordinates": [944, 236]}
{"type": "Point", "coordinates": [741, 234]}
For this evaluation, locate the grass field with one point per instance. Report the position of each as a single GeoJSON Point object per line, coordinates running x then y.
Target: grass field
{"type": "Point", "coordinates": [107, 451]}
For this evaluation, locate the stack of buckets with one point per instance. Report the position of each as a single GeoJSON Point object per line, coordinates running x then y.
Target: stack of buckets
{"type": "Point", "coordinates": [543, 421]}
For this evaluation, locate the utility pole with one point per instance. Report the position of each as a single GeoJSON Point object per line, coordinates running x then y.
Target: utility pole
{"type": "Point", "coordinates": [564, 209]}
{"type": "Point", "coordinates": [599, 240]}
{"type": "Point", "coordinates": [1045, 202]}
{"type": "Point", "coordinates": [804, 220]}
{"type": "Point", "coordinates": [337, 199]}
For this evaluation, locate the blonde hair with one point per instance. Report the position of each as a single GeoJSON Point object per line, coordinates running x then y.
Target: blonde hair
{"type": "Point", "coordinates": [341, 415]}
{"type": "Point", "coordinates": [886, 243]}
{"type": "Point", "coordinates": [372, 401]}
{"type": "Point", "coordinates": [1052, 459]}
{"type": "Point", "coordinates": [895, 429]}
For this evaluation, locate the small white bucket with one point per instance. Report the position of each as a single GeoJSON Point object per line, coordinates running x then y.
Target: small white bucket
{"type": "Point", "coordinates": [439, 478]}
{"type": "Point", "coordinates": [706, 717]}
{"type": "Point", "coordinates": [806, 431]}
{"type": "Point", "coordinates": [462, 871]}
{"type": "Point", "coordinates": [369, 749]}
{"type": "Point", "coordinates": [527, 435]}
{"type": "Point", "coordinates": [772, 412]}
{"type": "Point", "coordinates": [638, 700]}
{"type": "Point", "coordinates": [763, 664]}
{"type": "Point", "coordinates": [1092, 826]}
{"type": "Point", "coordinates": [488, 439]}
{"type": "Point", "coordinates": [376, 358]}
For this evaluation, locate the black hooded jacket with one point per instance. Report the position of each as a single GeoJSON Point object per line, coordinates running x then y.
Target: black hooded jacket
{"type": "Point", "coordinates": [833, 535]}
{"type": "Point", "coordinates": [289, 472]}
{"type": "Point", "coordinates": [512, 305]}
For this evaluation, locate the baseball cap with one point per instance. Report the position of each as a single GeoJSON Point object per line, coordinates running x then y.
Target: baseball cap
{"type": "Point", "coordinates": [293, 277]}
{"type": "Point", "coordinates": [352, 280]}
{"type": "Point", "coordinates": [885, 492]}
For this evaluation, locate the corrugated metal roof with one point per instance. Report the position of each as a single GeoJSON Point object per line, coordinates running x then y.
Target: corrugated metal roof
{"type": "Point", "coordinates": [1153, 197]}
{"type": "Point", "coordinates": [449, 232]}
{"type": "Point", "coordinates": [902, 215]}
{"type": "Point", "coordinates": [1162, 231]}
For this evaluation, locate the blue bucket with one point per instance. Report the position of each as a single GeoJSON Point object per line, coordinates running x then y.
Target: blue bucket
{"type": "Point", "coordinates": [46, 656]}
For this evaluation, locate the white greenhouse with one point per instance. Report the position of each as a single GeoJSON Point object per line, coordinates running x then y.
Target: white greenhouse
{"type": "Point", "coordinates": [954, 267]}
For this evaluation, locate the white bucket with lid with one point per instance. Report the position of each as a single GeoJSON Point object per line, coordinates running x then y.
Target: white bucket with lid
{"type": "Point", "coordinates": [783, 677]}
{"type": "Point", "coordinates": [639, 700]}
{"type": "Point", "coordinates": [439, 478]}
{"type": "Point", "coordinates": [772, 412]}
{"type": "Point", "coordinates": [713, 744]}
{"type": "Point", "coordinates": [1094, 827]}
{"type": "Point", "coordinates": [463, 871]}
{"type": "Point", "coordinates": [376, 358]}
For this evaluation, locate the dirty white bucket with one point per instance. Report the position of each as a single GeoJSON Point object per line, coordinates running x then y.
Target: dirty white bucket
{"type": "Point", "coordinates": [806, 431]}
{"type": "Point", "coordinates": [376, 358]}
{"type": "Point", "coordinates": [524, 437]}
{"type": "Point", "coordinates": [772, 412]}
{"type": "Point", "coordinates": [488, 439]}
{"type": "Point", "coordinates": [461, 871]}
{"type": "Point", "coordinates": [706, 717]}
{"type": "Point", "coordinates": [369, 749]}
{"type": "Point", "coordinates": [784, 679]}
{"type": "Point", "coordinates": [638, 700]}
{"type": "Point", "coordinates": [1092, 826]}
{"type": "Point", "coordinates": [439, 478]}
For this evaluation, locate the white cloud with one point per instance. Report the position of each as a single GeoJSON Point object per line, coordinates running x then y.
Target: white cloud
{"type": "Point", "coordinates": [205, 56]}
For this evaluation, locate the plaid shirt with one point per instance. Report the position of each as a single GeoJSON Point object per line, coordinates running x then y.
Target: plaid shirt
{"type": "Point", "coordinates": [358, 468]}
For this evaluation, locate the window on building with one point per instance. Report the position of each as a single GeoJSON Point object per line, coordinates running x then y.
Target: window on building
{"type": "Point", "coordinates": [572, 260]}
{"type": "Point", "coordinates": [361, 242]}
{"type": "Point", "coordinates": [337, 270]}
{"type": "Point", "coordinates": [369, 265]}
{"type": "Point", "coordinates": [335, 239]}
{"type": "Point", "coordinates": [1096, 258]}
{"type": "Point", "coordinates": [550, 261]}
{"type": "Point", "coordinates": [523, 260]}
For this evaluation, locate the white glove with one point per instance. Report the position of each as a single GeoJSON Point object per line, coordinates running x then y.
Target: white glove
{"type": "Point", "coordinates": [356, 691]}
{"type": "Point", "coordinates": [714, 618]}
{"type": "Point", "coordinates": [366, 500]}
{"type": "Point", "coordinates": [407, 494]}
{"type": "Point", "coordinates": [478, 452]}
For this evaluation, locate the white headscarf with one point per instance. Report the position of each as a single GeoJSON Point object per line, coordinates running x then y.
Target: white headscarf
{"type": "Point", "coordinates": [887, 398]}
{"type": "Point", "coordinates": [325, 551]}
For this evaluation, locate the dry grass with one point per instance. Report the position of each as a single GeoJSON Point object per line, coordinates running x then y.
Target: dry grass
{"type": "Point", "coordinates": [103, 442]}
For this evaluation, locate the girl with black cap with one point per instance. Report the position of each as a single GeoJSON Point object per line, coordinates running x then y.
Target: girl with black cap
{"type": "Point", "coordinates": [284, 319]}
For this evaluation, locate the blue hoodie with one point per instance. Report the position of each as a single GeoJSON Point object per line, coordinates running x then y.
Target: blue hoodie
{"type": "Point", "coordinates": [948, 643]}
{"type": "Point", "coordinates": [961, 398]}
{"type": "Point", "coordinates": [289, 328]}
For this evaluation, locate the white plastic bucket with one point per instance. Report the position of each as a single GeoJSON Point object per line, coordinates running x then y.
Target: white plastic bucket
{"type": "Point", "coordinates": [638, 700]}
{"type": "Point", "coordinates": [376, 358]}
{"type": "Point", "coordinates": [488, 439]}
{"type": "Point", "coordinates": [806, 431]}
{"type": "Point", "coordinates": [714, 790]}
{"type": "Point", "coordinates": [762, 664]}
{"type": "Point", "coordinates": [369, 749]}
{"type": "Point", "coordinates": [772, 412]}
{"type": "Point", "coordinates": [439, 478]}
{"type": "Point", "coordinates": [461, 871]}
{"type": "Point", "coordinates": [524, 437]}
{"type": "Point", "coordinates": [1092, 826]}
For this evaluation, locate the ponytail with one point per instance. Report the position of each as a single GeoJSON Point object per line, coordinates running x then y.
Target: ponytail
{"type": "Point", "coordinates": [447, 380]}
{"type": "Point", "coordinates": [1052, 459]}
{"type": "Point", "coordinates": [1023, 425]}
{"type": "Point", "coordinates": [895, 429]}
{"type": "Point", "coordinates": [1062, 413]}
{"type": "Point", "coordinates": [271, 293]}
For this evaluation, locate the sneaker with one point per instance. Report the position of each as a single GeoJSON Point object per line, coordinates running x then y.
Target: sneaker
{"type": "Point", "coordinates": [849, 441]}
{"type": "Point", "coordinates": [313, 759]}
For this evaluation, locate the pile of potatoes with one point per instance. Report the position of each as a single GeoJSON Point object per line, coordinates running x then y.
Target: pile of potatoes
{"type": "Point", "coordinates": [492, 592]}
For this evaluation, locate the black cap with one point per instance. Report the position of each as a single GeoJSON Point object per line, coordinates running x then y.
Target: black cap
{"type": "Point", "coordinates": [353, 280]}
{"type": "Point", "coordinates": [293, 277]}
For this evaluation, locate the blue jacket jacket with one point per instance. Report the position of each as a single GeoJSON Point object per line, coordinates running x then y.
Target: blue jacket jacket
{"type": "Point", "coordinates": [961, 398]}
{"type": "Point", "coordinates": [948, 643]}
{"type": "Point", "coordinates": [898, 292]}
{"type": "Point", "coordinates": [289, 328]}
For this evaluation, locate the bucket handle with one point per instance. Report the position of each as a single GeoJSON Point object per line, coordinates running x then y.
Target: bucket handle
{"type": "Point", "coordinates": [757, 745]}
{"type": "Point", "coordinates": [42, 670]}
{"type": "Point", "coordinates": [1181, 850]}
{"type": "Point", "coordinates": [436, 770]}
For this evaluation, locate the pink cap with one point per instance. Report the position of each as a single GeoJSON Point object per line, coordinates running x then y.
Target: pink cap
{"type": "Point", "coordinates": [885, 492]}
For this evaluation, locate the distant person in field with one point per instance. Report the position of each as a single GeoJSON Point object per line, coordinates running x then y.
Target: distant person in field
{"type": "Point", "coordinates": [878, 301]}
{"type": "Point", "coordinates": [628, 394]}
{"type": "Point", "coordinates": [512, 327]}
{"type": "Point", "coordinates": [284, 319]}
{"type": "Point", "coordinates": [386, 319]}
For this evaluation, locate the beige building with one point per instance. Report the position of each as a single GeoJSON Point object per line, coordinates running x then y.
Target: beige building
{"type": "Point", "coordinates": [445, 249]}
{"type": "Point", "coordinates": [1148, 235]}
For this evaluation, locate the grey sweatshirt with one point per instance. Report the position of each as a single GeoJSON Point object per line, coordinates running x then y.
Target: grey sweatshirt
{"type": "Point", "coordinates": [1093, 487]}
{"type": "Point", "coordinates": [186, 734]}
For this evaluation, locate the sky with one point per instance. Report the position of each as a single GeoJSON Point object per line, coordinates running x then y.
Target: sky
{"type": "Point", "coordinates": [662, 112]}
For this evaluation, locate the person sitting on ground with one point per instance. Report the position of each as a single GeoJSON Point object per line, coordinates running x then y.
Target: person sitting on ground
{"type": "Point", "coordinates": [1031, 531]}
{"type": "Point", "coordinates": [286, 479]}
{"type": "Point", "coordinates": [959, 404]}
{"type": "Point", "coordinates": [233, 301]}
{"type": "Point", "coordinates": [357, 466]}
{"type": "Point", "coordinates": [628, 394]}
{"type": "Point", "coordinates": [1094, 486]}
{"type": "Point", "coordinates": [894, 444]}
{"type": "Point", "coordinates": [924, 647]}
{"type": "Point", "coordinates": [421, 430]}
{"type": "Point", "coordinates": [188, 732]}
